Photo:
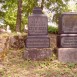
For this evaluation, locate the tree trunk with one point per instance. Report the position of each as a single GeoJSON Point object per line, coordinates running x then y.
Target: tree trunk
{"type": "Point", "coordinates": [18, 21]}
{"type": "Point", "coordinates": [42, 4]}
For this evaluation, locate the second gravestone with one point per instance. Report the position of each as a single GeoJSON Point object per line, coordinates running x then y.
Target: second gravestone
{"type": "Point", "coordinates": [37, 42]}
{"type": "Point", "coordinates": [67, 38]}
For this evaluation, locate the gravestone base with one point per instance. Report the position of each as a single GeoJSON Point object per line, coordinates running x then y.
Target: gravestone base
{"type": "Point", "coordinates": [67, 55]}
{"type": "Point", "coordinates": [37, 53]}
{"type": "Point", "coordinates": [67, 41]}
{"type": "Point", "coordinates": [38, 42]}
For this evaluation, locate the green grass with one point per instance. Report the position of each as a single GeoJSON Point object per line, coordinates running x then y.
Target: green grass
{"type": "Point", "coordinates": [52, 29]}
{"type": "Point", "coordinates": [15, 66]}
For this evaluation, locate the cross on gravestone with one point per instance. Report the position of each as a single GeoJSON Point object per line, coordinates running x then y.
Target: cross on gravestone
{"type": "Point", "coordinates": [37, 42]}
{"type": "Point", "coordinates": [67, 38]}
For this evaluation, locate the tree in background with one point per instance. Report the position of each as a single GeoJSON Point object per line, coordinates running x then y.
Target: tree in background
{"type": "Point", "coordinates": [19, 17]}
{"type": "Point", "coordinates": [12, 12]}
{"type": "Point", "coordinates": [9, 11]}
{"type": "Point", "coordinates": [42, 4]}
{"type": "Point", "coordinates": [11, 16]}
{"type": "Point", "coordinates": [55, 6]}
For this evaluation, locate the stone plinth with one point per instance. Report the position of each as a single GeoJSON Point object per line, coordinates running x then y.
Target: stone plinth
{"type": "Point", "coordinates": [67, 55]}
{"type": "Point", "coordinates": [67, 41]}
{"type": "Point", "coordinates": [37, 53]}
{"type": "Point", "coordinates": [38, 42]}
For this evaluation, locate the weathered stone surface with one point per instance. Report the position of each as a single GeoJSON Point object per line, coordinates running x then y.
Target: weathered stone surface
{"type": "Point", "coordinates": [37, 42]}
{"type": "Point", "coordinates": [37, 25]}
{"type": "Point", "coordinates": [67, 41]}
{"type": "Point", "coordinates": [37, 10]}
{"type": "Point", "coordinates": [37, 30]}
{"type": "Point", "coordinates": [17, 41]}
{"type": "Point", "coordinates": [37, 54]}
{"type": "Point", "coordinates": [67, 55]}
{"type": "Point", "coordinates": [68, 23]}
{"type": "Point", "coordinates": [67, 38]}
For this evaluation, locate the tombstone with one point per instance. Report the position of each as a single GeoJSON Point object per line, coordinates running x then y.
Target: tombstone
{"type": "Point", "coordinates": [67, 38]}
{"type": "Point", "coordinates": [37, 42]}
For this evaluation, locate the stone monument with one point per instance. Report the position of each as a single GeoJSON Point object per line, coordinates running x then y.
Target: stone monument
{"type": "Point", "coordinates": [67, 38]}
{"type": "Point", "coordinates": [37, 42]}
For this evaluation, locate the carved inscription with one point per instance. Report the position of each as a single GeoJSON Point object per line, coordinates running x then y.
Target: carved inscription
{"type": "Point", "coordinates": [69, 23]}
{"type": "Point", "coordinates": [37, 42]}
{"type": "Point", "coordinates": [37, 25]}
{"type": "Point", "coordinates": [69, 41]}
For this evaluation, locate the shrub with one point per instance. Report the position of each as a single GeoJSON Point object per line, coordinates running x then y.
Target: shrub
{"type": "Point", "coordinates": [52, 29]}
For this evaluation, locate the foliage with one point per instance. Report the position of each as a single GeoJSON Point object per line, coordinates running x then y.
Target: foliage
{"type": "Point", "coordinates": [9, 10]}
{"type": "Point", "coordinates": [52, 29]}
{"type": "Point", "coordinates": [71, 65]}
{"type": "Point", "coordinates": [27, 6]}
{"type": "Point", "coordinates": [57, 7]}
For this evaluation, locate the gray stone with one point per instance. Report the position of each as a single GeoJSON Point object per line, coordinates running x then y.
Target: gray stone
{"type": "Point", "coordinates": [37, 54]}
{"type": "Point", "coordinates": [38, 42]}
{"type": "Point", "coordinates": [67, 38]}
{"type": "Point", "coordinates": [67, 55]}
{"type": "Point", "coordinates": [67, 41]}
{"type": "Point", "coordinates": [38, 25]}
{"type": "Point", "coordinates": [37, 30]}
{"type": "Point", "coordinates": [68, 23]}
{"type": "Point", "coordinates": [37, 10]}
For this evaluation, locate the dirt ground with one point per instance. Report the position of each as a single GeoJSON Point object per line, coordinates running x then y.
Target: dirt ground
{"type": "Point", "coordinates": [14, 65]}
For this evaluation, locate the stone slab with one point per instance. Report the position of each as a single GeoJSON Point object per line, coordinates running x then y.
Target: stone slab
{"type": "Point", "coordinates": [68, 23]}
{"type": "Point", "coordinates": [67, 41]}
{"type": "Point", "coordinates": [37, 25]}
{"type": "Point", "coordinates": [67, 55]}
{"type": "Point", "coordinates": [37, 42]}
{"type": "Point", "coordinates": [37, 54]}
{"type": "Point", "coordinates": [37, 10]}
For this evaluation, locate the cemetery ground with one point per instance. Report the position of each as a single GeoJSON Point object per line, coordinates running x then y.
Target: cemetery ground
{"type": "Point", "coordinates": [13, 65]}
